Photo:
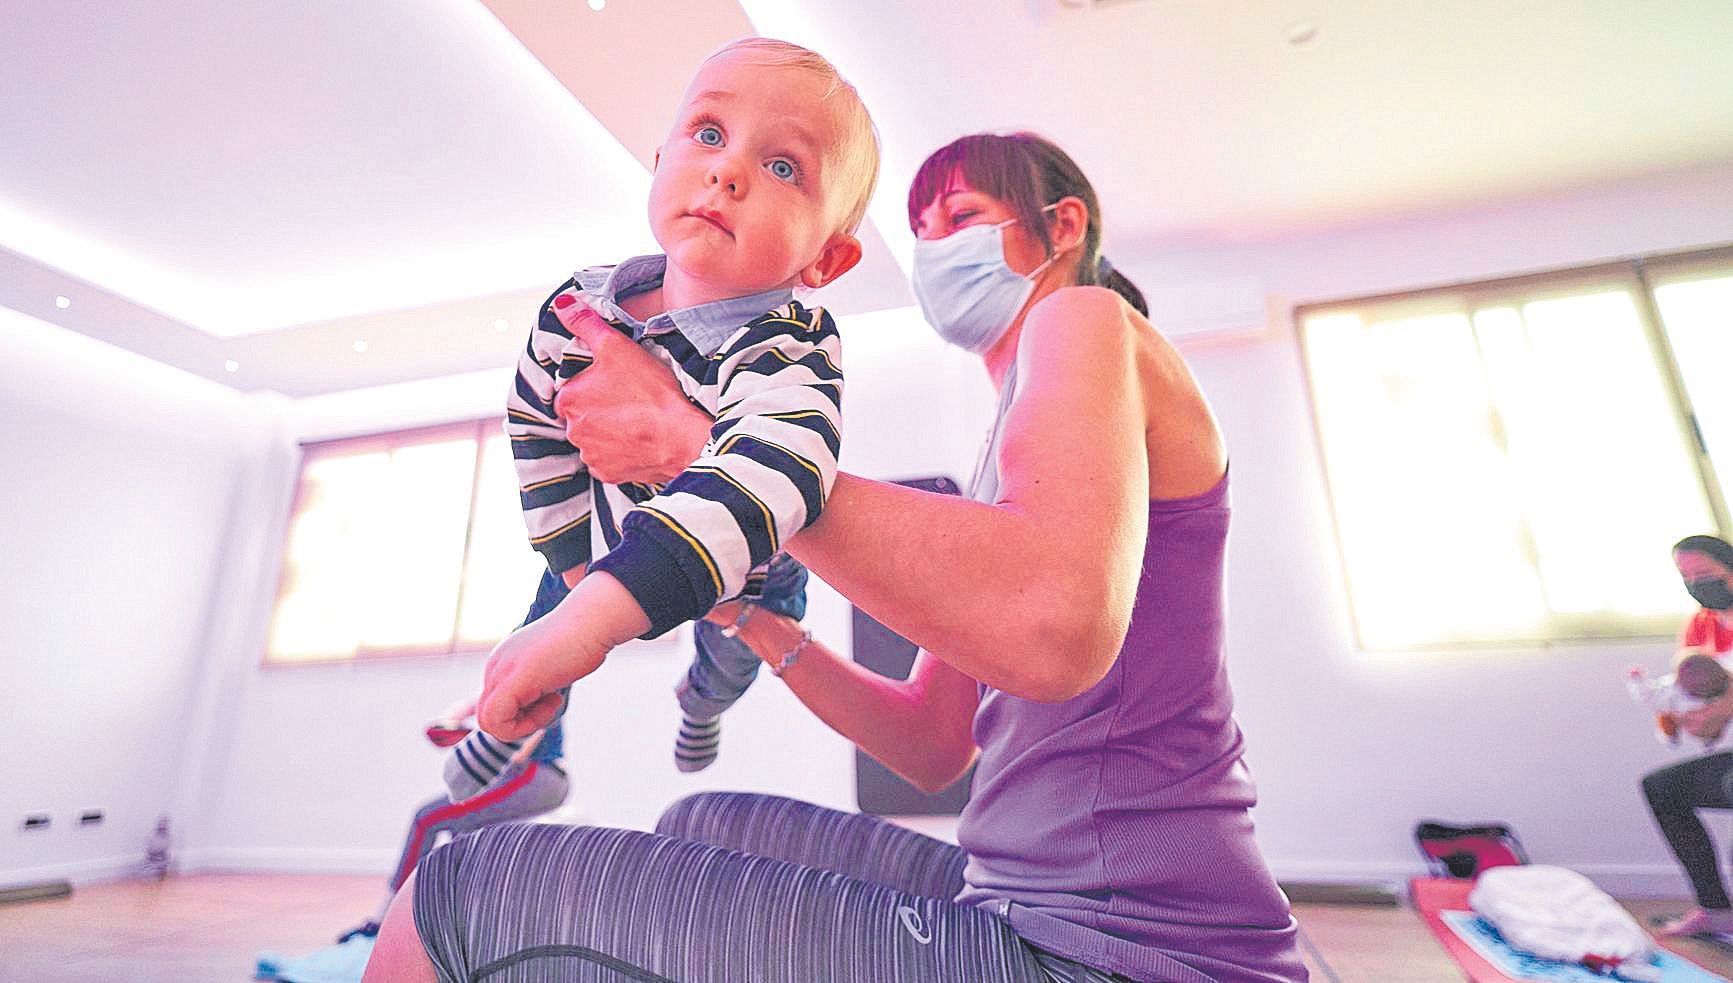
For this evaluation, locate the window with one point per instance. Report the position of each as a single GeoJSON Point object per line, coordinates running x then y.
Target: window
{"type": "Point", "coordinates": [407, 543]}
{"type": "Point", "coordinates": [1509, 462]}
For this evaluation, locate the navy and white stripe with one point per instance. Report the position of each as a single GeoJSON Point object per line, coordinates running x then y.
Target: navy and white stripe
{"type": "Point", "coordinates": [773, 385]}
{"type": "Point", "coordinates": [553, 485]}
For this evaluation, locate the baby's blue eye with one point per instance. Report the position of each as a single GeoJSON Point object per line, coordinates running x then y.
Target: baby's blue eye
{"type": "Point", "coordinates": [709, 136]}
{"type": "Point", "coordinates": [782, 169]}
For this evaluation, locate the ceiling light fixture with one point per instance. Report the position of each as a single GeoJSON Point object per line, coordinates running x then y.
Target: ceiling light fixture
{"type": "Point", "coordinates": [359, 345]}
{"type": "Point", "coordinates": [598, 4]}
{"type": "Point", "coordinates": [231, 366]}
{"type": "Point", "coordinates": [1301, 32]}
{"type": "Point", "coordinates": [62, 301]}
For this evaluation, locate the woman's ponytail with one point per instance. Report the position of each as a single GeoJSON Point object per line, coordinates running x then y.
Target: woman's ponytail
{"type": "Point", "coordinates": [1107, 276]}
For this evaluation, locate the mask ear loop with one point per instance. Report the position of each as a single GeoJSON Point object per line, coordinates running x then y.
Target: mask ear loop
{"type": "Point", "coordinates": [1054, 255]}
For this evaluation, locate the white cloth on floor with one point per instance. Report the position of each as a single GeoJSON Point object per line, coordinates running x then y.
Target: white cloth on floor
{"type": "Point", "coordinates": [1560, 914]}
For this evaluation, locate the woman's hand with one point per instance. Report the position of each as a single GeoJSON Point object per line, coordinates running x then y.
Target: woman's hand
{"type": "Point", "coordinates": [726, 613]}
{"type": "Point", "coordinates": [625, 413]}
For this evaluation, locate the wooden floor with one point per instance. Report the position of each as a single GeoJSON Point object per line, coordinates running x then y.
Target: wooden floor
{"type": "Point", "coordinates": [210, 928]}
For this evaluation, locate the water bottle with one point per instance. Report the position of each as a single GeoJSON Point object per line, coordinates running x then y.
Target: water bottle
{"type": "Point", "coordinates": [156, 850]}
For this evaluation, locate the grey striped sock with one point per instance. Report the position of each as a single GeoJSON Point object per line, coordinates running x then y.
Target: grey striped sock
{"type": "Point", "coordinates": [475, 762]}
{"type": "Point", "coordinates": [699, 742]}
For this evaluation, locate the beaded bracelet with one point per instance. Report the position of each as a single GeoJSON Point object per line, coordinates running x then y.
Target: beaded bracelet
{"type": "Point", "coordinates": [781, 665]}
{"type": "Point", "coordinates": [788, 658]}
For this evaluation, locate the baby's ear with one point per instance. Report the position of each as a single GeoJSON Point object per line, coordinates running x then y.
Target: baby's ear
{"type": "Point", "coordinates": [839, 256]}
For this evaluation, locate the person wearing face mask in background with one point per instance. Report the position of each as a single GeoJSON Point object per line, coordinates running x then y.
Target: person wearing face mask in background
{"type": "Point", "coordinates": [1706, 564]}
{"type": "Point", "coordinates": [1676, 792]}
{"type": "Point", "coordinates": [1070, 620]}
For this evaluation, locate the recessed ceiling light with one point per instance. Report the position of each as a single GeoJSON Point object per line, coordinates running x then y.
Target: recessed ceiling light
{"type": "Point", "coordinates": [501, 325]}
{"type": "Point", "coordinates": [598, 4]}
{"type": "Point", "coordinates": [359, 345]}
{"type": "Point", "coordinates": [1301, 32]}
{"type": "Point", "coordinates": [231, 366]}
{"type": "Point", "coordinates": [63, 302]}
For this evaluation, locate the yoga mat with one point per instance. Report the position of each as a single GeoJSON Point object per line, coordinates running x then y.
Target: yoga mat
{"type": "Point", "coordinates": [1516, 964]}
{"type": "Point", "coordinates": [1486, 958]}
{"type": "Point", "coordinates": [337, 964]}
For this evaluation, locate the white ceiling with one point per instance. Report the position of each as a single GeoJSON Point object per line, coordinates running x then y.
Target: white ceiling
{"type": "Point", "coordinates": [267, 183]}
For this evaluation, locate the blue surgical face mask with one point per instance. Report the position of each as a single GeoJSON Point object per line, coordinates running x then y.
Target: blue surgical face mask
{"type": "Point", "coordinates": [967, 291]}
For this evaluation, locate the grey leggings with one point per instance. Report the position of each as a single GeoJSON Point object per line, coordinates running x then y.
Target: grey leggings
{"type": "Point", "coordinates": [731, 888]}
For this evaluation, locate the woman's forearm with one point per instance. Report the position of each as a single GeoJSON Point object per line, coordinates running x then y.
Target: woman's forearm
{"type": "Point", "coordinates": [919, 728]}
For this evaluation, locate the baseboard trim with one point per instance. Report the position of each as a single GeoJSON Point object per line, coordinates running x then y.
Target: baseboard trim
{"type": "Point", "coordinates": [1619, 880]}
{"type": "Point", "coordinates": [1636, 881]}
{"type": "Point", "coordinates": [78, 872]}
{"type": "Point", "coordinates": [287, 860]}
{"type": "Point", "coordinates": [1346, 873]}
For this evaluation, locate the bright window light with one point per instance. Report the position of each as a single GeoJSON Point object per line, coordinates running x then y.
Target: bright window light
{"type": "Point", "coordinates": [403, 544]}
{"type": "Point", "coordinates": [1503, 467]}
{"type": "Point", "coordinates": [1698, 313]}
{"type": "Point", "coordinates": [501, 573]}
{"type": "Point", "coordinates": [1431, 538]}
{"type": "Point", "coordinates": [1605, 475]}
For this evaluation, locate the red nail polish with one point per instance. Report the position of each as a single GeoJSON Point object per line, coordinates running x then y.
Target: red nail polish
{"type": "Point", "coordinates": [563, 301]}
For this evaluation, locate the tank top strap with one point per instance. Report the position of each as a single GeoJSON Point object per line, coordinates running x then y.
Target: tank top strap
{"type": "Point", "coordinates": [985, 486]}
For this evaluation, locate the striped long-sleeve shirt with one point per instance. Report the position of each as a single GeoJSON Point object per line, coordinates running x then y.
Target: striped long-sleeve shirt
{"type": "Point", "coordinates": [764, 367]}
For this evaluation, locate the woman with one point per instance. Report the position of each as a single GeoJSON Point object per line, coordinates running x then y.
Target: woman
{"type": "Point", "coordinates": [1676, 792]}
{"type": "Point", "coordinates": [1070, 620]}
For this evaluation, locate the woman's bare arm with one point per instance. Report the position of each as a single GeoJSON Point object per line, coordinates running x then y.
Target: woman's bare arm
{"type": "Point", "coordinates": [1031, 595]}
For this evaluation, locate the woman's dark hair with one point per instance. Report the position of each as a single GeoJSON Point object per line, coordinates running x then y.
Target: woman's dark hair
{"type": "Point", "coordinates": [1711, 546]}
{"type": "Point", "coordinates": [1027, 173]}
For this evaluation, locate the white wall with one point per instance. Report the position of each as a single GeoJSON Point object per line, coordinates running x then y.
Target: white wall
{"type": "Point", "coordinates": [137, 606]}
{"type": "Point", "coordinates": [321, 767]}
{"type": "Point", "coordinates": [1352, 749]}
{"type": "Point", "coordinates": [120, 476]}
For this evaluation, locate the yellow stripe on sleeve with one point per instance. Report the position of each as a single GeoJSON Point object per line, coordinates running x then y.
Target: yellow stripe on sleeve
{"type": "Point", "coordinates": [557, 533]}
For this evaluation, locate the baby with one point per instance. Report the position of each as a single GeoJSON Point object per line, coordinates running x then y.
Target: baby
{"type": "Point", "coordinates": [1697, 678]}
{"type": "Point", "coordinates": [757, 190]}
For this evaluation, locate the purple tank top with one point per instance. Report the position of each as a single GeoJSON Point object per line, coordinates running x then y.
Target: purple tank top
{"type": "Point", "coordinates": [1113, 828]}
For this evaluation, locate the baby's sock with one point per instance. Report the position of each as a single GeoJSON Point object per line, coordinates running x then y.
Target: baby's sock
{"type": "Point", "coordinates": [699, 742]}
{"type": "Point", "coordinates": [475, 762]}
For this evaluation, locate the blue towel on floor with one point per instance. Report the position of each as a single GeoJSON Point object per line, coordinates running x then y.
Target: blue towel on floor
{"type": "Point", "coordinates": [338, 964]}
{"type": "Point", "coordinates": [1513, 962]}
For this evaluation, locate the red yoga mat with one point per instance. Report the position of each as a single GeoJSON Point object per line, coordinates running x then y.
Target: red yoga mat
{"type": "Point", "coordinates": [1435, 895]}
